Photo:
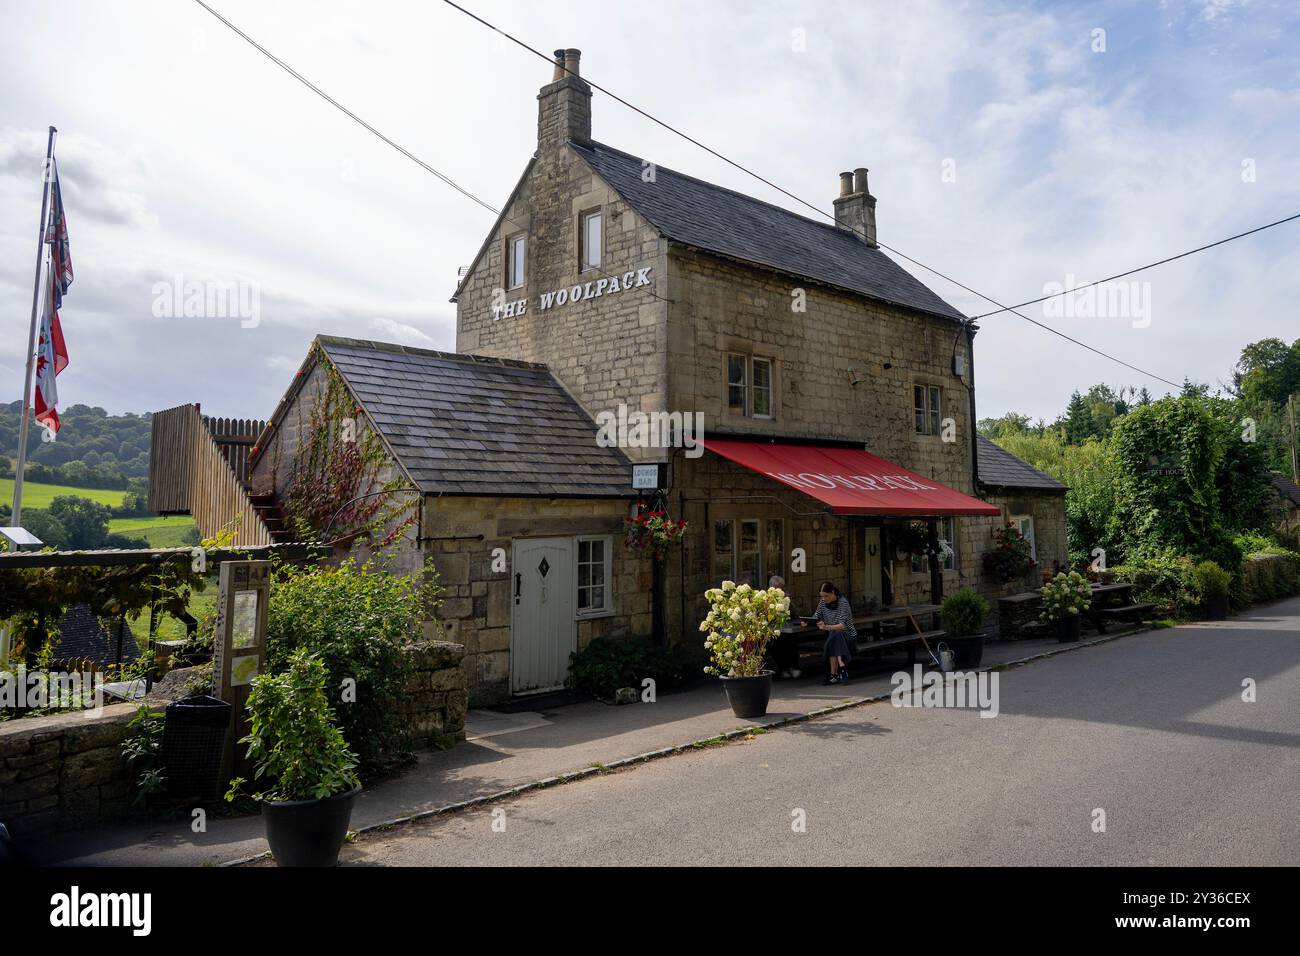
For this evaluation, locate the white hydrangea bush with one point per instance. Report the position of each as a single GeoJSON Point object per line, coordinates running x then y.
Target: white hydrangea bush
{"type": "Point", "coordinates": [740, 622]}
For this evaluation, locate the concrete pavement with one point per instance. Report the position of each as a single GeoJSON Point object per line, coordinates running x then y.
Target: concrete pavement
{"type": "Point", "coordinates": [1152, 730]}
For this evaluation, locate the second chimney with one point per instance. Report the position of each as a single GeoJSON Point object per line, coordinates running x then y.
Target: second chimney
{"type": "Point", "coordinates": [855, 209]}
{"type": "Point", "coordinates": [564, 105]}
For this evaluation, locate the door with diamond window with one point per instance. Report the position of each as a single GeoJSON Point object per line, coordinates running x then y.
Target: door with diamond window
{"type": "Point", "coordinates": [543, 632]}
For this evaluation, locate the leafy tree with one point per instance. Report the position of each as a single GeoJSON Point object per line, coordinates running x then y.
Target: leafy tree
{"type": "Point", "coordinates": [1268, 371]}
{"type": "Point", "coordinates": [46, 527]}
{"type": "Point", "coordinates": [1078, 422]}
{"type": "Point", "coordinates": [86, 521]}
{"type": "Point", "coordinates": [1166, 458]}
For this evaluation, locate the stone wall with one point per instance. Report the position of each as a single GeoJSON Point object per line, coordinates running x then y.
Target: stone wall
{"type": "Point", "coordinates": [608, 350]}
{"type": "Point", "coordinates": [434, 700]}
{"type": "Point", "coordinates": [461, 535]}
{"type": "Point", "coordinates": [67, 770]}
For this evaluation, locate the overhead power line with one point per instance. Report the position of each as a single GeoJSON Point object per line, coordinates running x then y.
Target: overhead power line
{"type": "Point", "coordinates": [1149, 265]}
{"type": "Point", "coordinates": [822, 212]}
{"type": "Point", "coordinates": [371, 129]}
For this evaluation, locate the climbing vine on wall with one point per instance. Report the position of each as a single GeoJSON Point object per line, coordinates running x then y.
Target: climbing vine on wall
{"type": "Point", "coordinates": [335, 488]}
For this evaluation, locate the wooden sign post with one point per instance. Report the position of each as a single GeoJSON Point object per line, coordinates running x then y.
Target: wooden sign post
{"type": "Point", "coordinates": [239, 647]}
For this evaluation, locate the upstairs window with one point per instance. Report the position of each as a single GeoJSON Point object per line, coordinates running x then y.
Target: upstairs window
{"type": "Point", "coordinates": [927, 409]}
{"type": "Point", "coordinates": [589, 241]}
{"type": "Point", "coordinates": [749, 385]}
{"type": "Point", "coordinates": [516, 251]}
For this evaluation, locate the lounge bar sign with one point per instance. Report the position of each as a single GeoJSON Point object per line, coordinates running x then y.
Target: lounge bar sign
{"type": "Point", "coordinates": [606, 285]}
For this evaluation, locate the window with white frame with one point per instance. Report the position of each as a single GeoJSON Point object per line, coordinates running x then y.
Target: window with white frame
{"type": "Point", "coordinates": [595, 573]}
{"type": "Point", "coordinates": [947, 548]}
{"type": "Point", "coordinates": [749, 385]}
{"type": "Point", "coordinates": [589, 240]}
{"type": "Point", "coordinates": [1025, 525]}
{"type": "Point", "coordinates": [516, 251]}
{"type": "Point", "coordinates": [927, 408]}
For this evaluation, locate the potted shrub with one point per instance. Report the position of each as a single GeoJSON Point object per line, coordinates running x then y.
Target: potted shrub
{"type": "Point", "coordinates": [1065, 598]}
{"type": "Point", "coordinates": [961, 616]}
{"type": "Point", "coordinates": [300, 753]}
{"type": "Point", "coordinates": [740, 622]}
{"type": "Point", "coordinates": [1212, 584]}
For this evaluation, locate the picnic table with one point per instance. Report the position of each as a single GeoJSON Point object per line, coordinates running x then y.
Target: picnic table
{"type": "Point", "coordinates": [871, 629]}
{"type": "Point", "coordinates": [1114, 601]}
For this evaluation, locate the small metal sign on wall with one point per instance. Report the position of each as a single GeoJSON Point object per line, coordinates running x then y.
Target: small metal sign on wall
{"type": "Point", "coordinates": [239, 646]}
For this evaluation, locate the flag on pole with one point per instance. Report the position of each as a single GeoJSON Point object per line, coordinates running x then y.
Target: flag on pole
{"type": "Point", "coordinates": [57, 236]}
{"type": "Point", "coordinates": [51, 351]}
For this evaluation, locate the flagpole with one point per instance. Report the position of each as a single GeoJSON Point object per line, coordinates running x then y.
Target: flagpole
{"type": "Point", "coordinates": [47, 175]}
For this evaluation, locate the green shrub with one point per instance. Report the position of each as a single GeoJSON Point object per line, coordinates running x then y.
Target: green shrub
{"type": "Point", "coordinates": [963, 613]}
{"type": "Point", "coordinates": [606, 664]}
{"type": "Point", "coordinates": [293, 739]}
{"type": "Point", "coordinates": [1210, 580]}
{"type": "Point", "coordinates": [1165, 580]}
{"type": "Point", "coordinates": [357, 619]}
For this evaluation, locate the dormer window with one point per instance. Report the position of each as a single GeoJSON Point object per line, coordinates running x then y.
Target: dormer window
{"type": "Point", "coordinates": [589, 240]}
{"type": "Point", "coordinates": [516, 256]}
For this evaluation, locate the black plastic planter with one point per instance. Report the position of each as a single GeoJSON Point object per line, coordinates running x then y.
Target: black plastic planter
{"type": "Point", "coordinates": [1069, 628]}
{"type": "Point", "coordinates": [1216, 607]}
{"type": "Point", "coordinates": [193, 746]}
{"type": "Point", "coordinates": [308, 832]}
{"type": "Point", "coordinates": [749, 696]}
{"type": "Point", "coordinates": [968, 649]}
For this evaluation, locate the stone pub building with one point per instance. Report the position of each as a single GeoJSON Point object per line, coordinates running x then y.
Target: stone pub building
{"type": "Point", "coordinates": [821, 402]}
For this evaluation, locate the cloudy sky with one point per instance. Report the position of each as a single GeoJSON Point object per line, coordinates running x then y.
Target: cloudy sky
{"type": "Point", "coordinates": [1011, 146]}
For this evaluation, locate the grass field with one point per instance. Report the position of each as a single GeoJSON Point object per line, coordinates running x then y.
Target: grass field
{"type": "Point", "coordinates": [157, 532]}
{"type": "Point", "coordinates": [37, 495]}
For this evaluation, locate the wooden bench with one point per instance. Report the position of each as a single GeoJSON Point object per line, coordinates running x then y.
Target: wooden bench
{"type": "Point", "coordinates": [1127, 610]}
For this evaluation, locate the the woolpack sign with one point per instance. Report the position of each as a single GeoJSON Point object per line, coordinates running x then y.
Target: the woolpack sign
{"type": "Point", "coordinates": [565, 295]}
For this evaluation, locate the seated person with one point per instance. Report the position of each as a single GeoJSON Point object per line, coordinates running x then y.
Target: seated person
{"type": "Point", "coordinates": [783, 651]}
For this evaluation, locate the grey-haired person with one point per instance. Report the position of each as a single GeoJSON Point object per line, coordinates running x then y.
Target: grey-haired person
{"type": "Point", "coordinates": [784, 648]}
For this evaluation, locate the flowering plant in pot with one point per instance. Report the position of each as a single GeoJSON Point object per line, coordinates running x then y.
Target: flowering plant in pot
{"type": "Point", "coordinates": [740, 622]}
{"type": "Point", "coordinates": [653, 531]}
{"type": "Point", "coordinates": [1011, 556]}
{"type": "Point", "coordinates": [1065, 597]}
{"type": "Point", "coordinates": [300, 754]}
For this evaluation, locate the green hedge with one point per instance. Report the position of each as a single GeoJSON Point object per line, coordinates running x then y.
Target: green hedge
{"type": "Point", "coordinates": [1270, 575]}
{"type": "Point", "coordinates": [606, 664]}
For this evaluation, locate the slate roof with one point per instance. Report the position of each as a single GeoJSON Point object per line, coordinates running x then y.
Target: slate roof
{"type": "Point", "coordinates": [1288, 489]}
{"type": "Point", "coordinates": [82, 635]}
{"type": "Point", "coordinates": [695, 213]}
{"type": "Point", "coordinates": [469, 425]}
{"type": "Point", "coordinates": [999, 468]}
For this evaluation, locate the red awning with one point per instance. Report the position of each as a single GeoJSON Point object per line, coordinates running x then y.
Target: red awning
{"type": "Point", "coordinates": [851, 481]}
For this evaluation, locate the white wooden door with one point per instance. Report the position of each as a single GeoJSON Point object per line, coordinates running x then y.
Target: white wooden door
{"type": "Point", "coordinates": [872, 584]}
{"type": "Point", "coordinates": [543, 631]}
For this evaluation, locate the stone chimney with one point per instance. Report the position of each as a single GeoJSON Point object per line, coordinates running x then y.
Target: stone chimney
{"type": "Point", "coordinates": [564, 105]}
{"type": "Point", "coordinates": [855, 209]}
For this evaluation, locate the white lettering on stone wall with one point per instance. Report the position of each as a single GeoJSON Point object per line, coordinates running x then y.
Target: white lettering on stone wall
{"type": "Point", "coordinates": [609, 285]}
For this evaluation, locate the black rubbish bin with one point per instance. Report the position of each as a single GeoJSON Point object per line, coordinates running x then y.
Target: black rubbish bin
{"type": "Point", "coordinates": [193, 746]}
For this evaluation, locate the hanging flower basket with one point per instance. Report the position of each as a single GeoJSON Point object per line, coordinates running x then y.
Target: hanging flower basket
{"type": "Point", "coordinates": [653, 531]}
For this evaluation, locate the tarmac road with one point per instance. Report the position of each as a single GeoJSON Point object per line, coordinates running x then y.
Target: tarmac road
{"type": "Point", "coordinates": [1151, 729]}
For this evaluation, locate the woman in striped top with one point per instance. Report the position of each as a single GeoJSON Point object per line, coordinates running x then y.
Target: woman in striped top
{"type": "Point", "coordinates": [835, 617]}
